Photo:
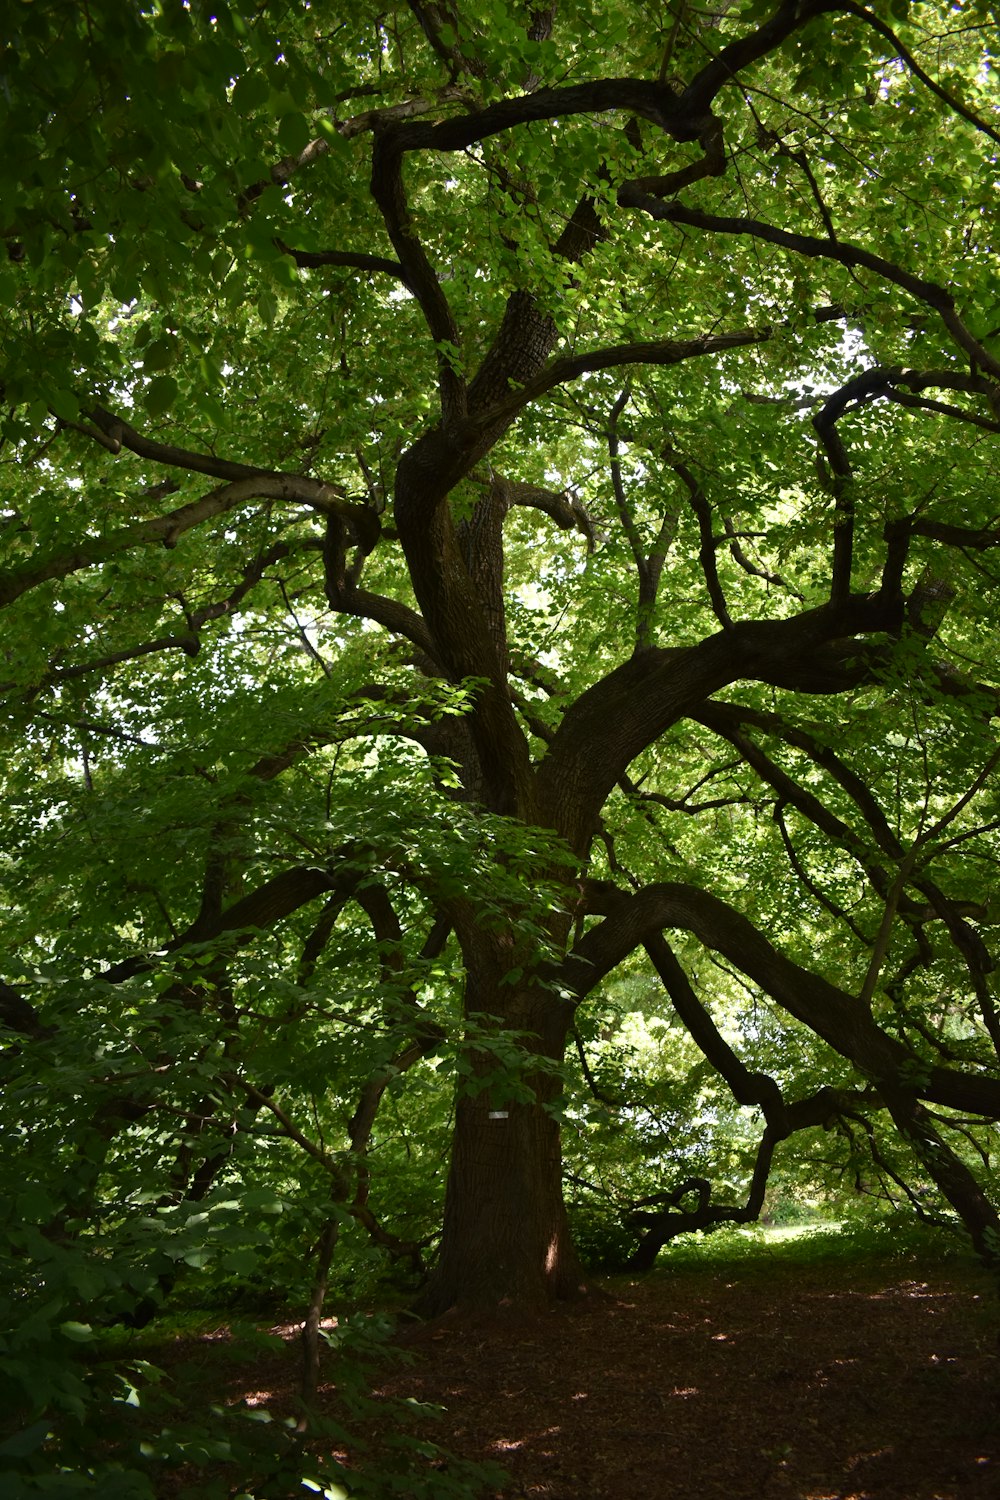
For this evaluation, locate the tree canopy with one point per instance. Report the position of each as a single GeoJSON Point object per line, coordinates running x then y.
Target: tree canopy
{"type": "Point", "coordinates": [499, 628]}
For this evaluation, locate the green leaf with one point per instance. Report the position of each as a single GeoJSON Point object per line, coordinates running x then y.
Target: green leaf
{"type": "Point", "coordinates": [78, 1333]}
{"type": "Point", "coordinates": [23, 1444]}
{"type": "Point", "coordinates": [161, 353]}
{"type": "Point", "coordinates": [35, 1205]}
{"type": "Point", "coordinates": [251, 92]}
{"type": "Point", "coordinates": [294, 133]}
{"type": "Point", "coordinates": [241, 1262]}
{"type": "Point", "coordinates": [197, 1258]}
{"type": "Point", "coordinates": [212, 408]}
{"type": "Point", "coordinates": [262, 1200]}
{"type": "Point", "coordinates": [160, 395]}
{"type": "Point", "coordinates": [65, 405]}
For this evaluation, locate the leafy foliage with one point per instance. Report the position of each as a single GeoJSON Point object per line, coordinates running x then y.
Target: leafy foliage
{"type": "Point", "coordinates": [497, 531]}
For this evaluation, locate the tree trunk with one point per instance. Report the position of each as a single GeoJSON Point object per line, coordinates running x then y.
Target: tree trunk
{"type": "Point", "coordinates": [505, 1239]}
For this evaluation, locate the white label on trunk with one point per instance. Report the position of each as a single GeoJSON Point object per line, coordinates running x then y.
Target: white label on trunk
{"type": "Point", "coordinates": [499, 1114]}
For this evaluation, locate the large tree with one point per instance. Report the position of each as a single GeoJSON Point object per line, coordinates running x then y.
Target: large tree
{"type": "Point", "coordinates": [494, 498]}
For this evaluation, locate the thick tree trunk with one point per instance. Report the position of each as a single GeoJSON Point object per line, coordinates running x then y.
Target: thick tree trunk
{"type": "Point", "coordinates": [505, 1240]}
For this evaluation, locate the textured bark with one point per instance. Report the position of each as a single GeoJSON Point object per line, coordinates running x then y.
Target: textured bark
{"type": "Point", "coordinates": [948, 1172]}
{"type": "Point", "coordinates": [506, 1239]}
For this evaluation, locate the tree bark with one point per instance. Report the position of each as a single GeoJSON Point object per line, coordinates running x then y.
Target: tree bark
{"type": "Point", "coordinates": [506, 1240]}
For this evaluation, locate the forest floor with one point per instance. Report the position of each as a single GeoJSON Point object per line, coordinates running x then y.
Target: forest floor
{"type": "Point", "coordinates": [771, 1378]}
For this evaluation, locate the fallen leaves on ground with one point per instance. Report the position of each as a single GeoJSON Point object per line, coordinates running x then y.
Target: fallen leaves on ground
{"type": "Point", "coordinates": [835, 1384]}
{"type": "Point", "coordinates": [784, 1382]}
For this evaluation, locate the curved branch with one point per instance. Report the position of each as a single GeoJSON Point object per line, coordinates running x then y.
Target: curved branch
{"type": "Point", "coordinates": [839, 1018]}
{"type": "Point", "coordinates": [802, 875]}
{"type": "Point", "coordinates": [190, 643]}
{"type": "Point", "coordinates": [727, 720]}
{"type": "Point", "coordinates": [617, 356]}
{"type": "Point", "coordinates": [389, 193]}
{"type": "Point", "coordinates": [740, 558]}
{"type": "Point", "coordinates": [789, 17]}
{"type": "Point", "coordinates": [928, 292]}
{"type": "Point", "coordinates": [903, 52]}
{"type": "Point", "coordinates": [340, 582]}
{"type": "Point", "coordinates": [559, 505]}
{"type": "Point", "coordinates": [89, 551]}
{"type": "Point", "coordinates": [684, 116]}
{"type": "Point", "coordinates": [368, 120]}
{"type": "Point", "coordinates": [747, 1088]}
{"type": "Point", "coordinates": [271, 902]}
{"type": "Point", "coordinates": [615, 720]}
{"type": "Point", "coordinates": [942, 409]}
{"type": "Point", "coordinates": [354, 260]}
{"type": "Point", "coordinates": [948, 1171]}
{"type": "Point", "coordinates": [634, 96]}
{"type": "Point", "coordinates": [665, 1224]}
{"type": "Point", "coordinates": [114, 433]}
{"type": "Point", "coordinates": [707, 552]}
{"type": "Point", "coordinates": [870, 385]}
{"type": "Point", "coordinates": [648, 569]}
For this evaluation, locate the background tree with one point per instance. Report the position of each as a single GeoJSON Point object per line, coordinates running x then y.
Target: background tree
{"type": "Point", "coordinates": [493, 502]}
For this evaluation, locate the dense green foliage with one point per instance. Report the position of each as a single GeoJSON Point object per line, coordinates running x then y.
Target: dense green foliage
{"type": "Point", "coordinates": [483, 492]}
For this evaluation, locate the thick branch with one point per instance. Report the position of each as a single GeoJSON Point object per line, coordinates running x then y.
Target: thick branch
{"type": "Point", "coordinates": [389, 193]}
{"type": "Point", "coordinates": [354, 260]}
{"type": "Point", "coordinates": [16, 1014]}
{"type": "Point", "coordinates": [612, 722]}
{"type": "Point", "coordinates": [271, 902]}
{"type": "Point", "coordinates": [851, 256]}
{"type": "Point", "coordinates": [747, 1088]}
{"type": "Point", "coordinates": [789, 17]}
{"type": "Point", "coordinates": [91, 551]}
{"type": "Point", "coordinates": [618, 356]}
{"type": "Point", "coordinates": [685, 116]}
{"type": "Point", "coordinates": [833, 1014]}
{"type": "Point", "coordinates": [118, 434]}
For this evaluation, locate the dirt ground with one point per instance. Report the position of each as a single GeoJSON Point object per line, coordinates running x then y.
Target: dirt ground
{"type": "Point", "coordinates": [839, 1383]}
{"type": "Point", "coordinates": [834, 1381]}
